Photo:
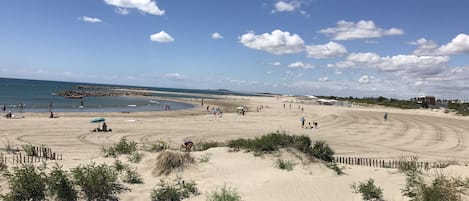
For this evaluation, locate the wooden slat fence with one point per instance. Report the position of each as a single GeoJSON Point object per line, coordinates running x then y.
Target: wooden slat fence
{"type": "Point", "coordinates": [38, 154]}
{"type": "Point", "coordinates": [371, 162]}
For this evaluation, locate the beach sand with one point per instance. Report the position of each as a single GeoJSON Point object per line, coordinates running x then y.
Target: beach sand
{"type": "Point", "coordinates": [430, 135]}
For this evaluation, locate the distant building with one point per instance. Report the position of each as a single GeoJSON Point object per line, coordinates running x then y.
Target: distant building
{"type": "Point", "coordinates": [426, 101]}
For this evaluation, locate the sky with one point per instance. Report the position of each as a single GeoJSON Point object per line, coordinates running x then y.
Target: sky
{"type": "Point", "coordinates": [359, 48]}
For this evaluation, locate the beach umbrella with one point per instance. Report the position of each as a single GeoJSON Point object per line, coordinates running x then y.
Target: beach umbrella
{"type": "Point", "coordinates": [97, 120]}
{"type": "Point", "coordinates": [240, 108]}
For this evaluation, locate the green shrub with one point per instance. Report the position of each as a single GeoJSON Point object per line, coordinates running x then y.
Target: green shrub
{"type": "Point", "coordinates": [167, 161]}
{"type": "Point", "coordinates": [158, 146]}
{"type": "Point", "coordinates": [119, 166]}
{"type": "Point", "coordinates": [440, 188]}
{"type": "Point", "coordinates": [202, 146]}
{"type": "Point", "coordinates": [60, 186]}
{"type": "Point", "coordinates": [97, 182]}
{"type": "Point", "coordinates": [174, 191]}
{"type": "Point", "coordinates": [131, 176]}
{"type": "Point", "coordinates": [123, 147]}
{"type": "Point", "coordinates": [333, 166]}
{"type": "Point", "coordinates": [26, 183]}
{"type": "Point", "coordinates": [135, 157]}
{"type": "Point", "coordinates": [224, 194]}
{"type": "Point", "coordinates": [409, 166]}
{"type": "Point", "coordinates": [28, 148]}
{"type": "Point", "coordinates": [321, 150]}
{"type": "Point", "coordinates": [272, 142]}
{"type": "Point", "coordinates": [368, 190]}
{"type": "Point", "coordinates": [3, 165]}
{"type": "Point", "coordinates": [204, 158]}
{"type": "Point", "coordinates": [284, 164]}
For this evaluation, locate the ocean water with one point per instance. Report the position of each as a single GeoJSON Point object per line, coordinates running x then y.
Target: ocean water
{"type": "Point", "coordinates": [37, 95]}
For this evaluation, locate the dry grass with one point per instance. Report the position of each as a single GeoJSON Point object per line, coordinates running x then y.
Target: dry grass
{"type": "Point", "coordinates": [168, 161]}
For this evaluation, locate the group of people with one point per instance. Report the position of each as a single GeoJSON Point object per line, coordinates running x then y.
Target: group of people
{"type": "Point", "coordinates": [103, 129]}
{"type": "Point", "coordinates": [303, 120]}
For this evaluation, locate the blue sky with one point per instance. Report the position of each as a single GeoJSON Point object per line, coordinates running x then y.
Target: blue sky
{"type": "Point", "coordinates": [323, 47]}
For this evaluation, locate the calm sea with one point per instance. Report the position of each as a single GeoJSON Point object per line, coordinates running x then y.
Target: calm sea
{"type": "Point", "coordinates": [37, 95]}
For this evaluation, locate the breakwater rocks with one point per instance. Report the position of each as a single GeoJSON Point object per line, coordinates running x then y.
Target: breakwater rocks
{"type": "Point", "coordinates": [81, 91]}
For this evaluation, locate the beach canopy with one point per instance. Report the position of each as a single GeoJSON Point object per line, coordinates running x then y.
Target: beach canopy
{"type": "Point", "coordinates": [97, 120]}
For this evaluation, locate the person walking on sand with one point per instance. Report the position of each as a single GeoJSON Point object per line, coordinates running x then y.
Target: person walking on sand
{"type": "Point", "coordinates": [4, 108]}
{"type": "Point", "coordinates": [385, 116]}
{"type": "Point", "coordinates": [302, 122]}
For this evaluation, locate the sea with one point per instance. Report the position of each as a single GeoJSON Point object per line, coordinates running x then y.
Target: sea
{"type": "Point", "coordinates": [23, 95]}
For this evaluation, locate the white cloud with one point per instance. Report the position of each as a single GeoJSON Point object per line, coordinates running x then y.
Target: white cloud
{"type": "Point", "coordinates": [122, 11]}
{"type": "Point", "coordinates": [216, 35]}
{"type": "Point", "coordinates": [90, 19]}
{"type": "Point", "coordinates": [278, 42]}
{"type": "Point", "coordinates": [173, 76]}
{"type": "Point", "coordinates": [328, 50]}
{"type": "Point", "coordinates": [275, 63]}
{"type": "Point", "coordinates": [300, 64]}
{"type": "Point", "coordinates": [282, 6]}
{"type": "Point", "coordinates": [361, 29]}
{"type": "Point", "coordinates": [459, 45]}
{"type": "Point", "coordinates": [146, 6]}
{"type": "Point", "coordinates": [161, 37]}
{"type": "Point", "coordinates": [366, 79]}
{"type": "Point", "coordinates": [425, 47]}
{"type": "Point", "coordinates": [407, 64]}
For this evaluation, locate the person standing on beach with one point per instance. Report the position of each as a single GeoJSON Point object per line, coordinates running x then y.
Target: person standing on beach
{"type": "Point", "coordinates": [385, 116]}
{"type": "Point", "coordinates": [302, 122]}
{"type": "Point", "coordinates": [4, 108]}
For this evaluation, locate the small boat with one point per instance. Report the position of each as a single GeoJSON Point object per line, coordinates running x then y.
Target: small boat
{"type": "Point", "coordinates": [131, 105]}
{"type": "Point", "coordinates": [75, 97]}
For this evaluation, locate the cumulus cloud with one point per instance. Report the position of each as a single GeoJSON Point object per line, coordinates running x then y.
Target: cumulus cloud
{"type": "Point", "coordinates": [361, 29]}
{"type": "Point", "coordinates": [300, 64]}
{"type": "Point", "coordinates": [278, 42]}
{"type": "Point", "coordinates": [425, 47]}
{"type": "Point", "coordinates": [459, 45]}
{"type": "Point", "coordinates": [161, 37]}
{"type": "Point", "coordinates": [146, 6]}
{"type": "Point", "coordinates": [282, 6]}
{"type": "Point", "coordinates": [417, 65]}
{"type": "Point", "coordinates": [216, 35]}
{"type": "Point", "coordinates": [90, 19]}
{"type": "Point", "coordinates": [365, 79]}
{"type": "Point", "coordinates": [328, 50]}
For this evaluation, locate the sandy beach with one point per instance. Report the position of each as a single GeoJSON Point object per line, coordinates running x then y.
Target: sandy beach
{"type": "Point", "coordinates": [431, 135]}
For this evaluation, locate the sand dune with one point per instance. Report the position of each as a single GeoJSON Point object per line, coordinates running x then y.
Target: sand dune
{"type": "Point", "coordinates": [351, 131]}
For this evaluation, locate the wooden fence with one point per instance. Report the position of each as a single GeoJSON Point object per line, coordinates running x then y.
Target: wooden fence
{"type": "Point", "coordinates": [36, 154]}
{"type": "Point", "coordinates": [371, 162]}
